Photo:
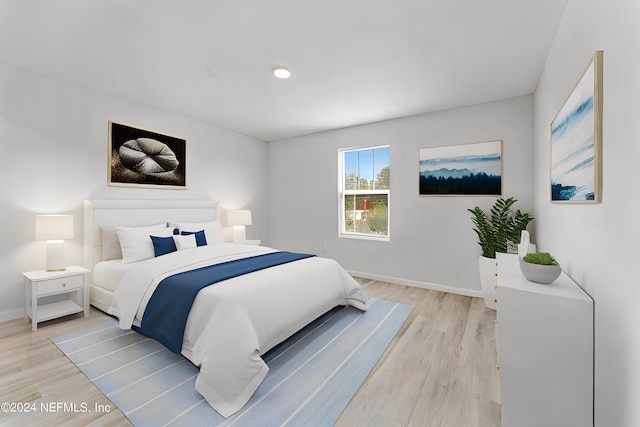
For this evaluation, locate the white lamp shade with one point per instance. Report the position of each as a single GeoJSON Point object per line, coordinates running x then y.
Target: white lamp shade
{"type": "Point", "coordinates": [241, 217]}
{"type": "Point", "coordinates": [54, 227]}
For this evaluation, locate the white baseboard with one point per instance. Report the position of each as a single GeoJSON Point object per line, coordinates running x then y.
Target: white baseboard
{"type": "Point", "coordinates": [6, 316]}
{"type": "Point", "coordinates": [416, 284]}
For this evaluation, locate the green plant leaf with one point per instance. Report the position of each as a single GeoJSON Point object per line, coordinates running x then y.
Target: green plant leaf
{"type": "Point", "coordinates": [501, 230]}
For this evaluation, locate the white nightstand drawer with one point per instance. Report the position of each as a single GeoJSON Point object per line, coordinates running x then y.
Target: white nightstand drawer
{"type": "Point", "coordinates": [62, 284]}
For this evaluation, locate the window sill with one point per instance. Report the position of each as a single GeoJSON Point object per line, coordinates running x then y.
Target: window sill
{"type": "Point", "coordinates": [364, 237]}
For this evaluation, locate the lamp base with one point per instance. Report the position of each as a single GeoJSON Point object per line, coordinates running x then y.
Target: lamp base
{"type": "Point", "coordinates": [55, 255]}
{"type": "Point", "coordinates": [239, 234]}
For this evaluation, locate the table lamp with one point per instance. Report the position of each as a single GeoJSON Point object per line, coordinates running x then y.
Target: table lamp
{"type": "Point", "coordinates": [54, 229]}
{"type": "Point", "coordinates": [238, 219]}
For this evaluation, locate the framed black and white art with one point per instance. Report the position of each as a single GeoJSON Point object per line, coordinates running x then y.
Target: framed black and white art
{"type": "Point", "coordinates": [143, 158]}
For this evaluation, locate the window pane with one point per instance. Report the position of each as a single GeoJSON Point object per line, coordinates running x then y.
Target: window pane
{"type": "Point", "coordinates": [367, 214]}
{"type": "Point", "coordinates": [366, 169]}
{"type": "Point", "coordinates": [381, 167]}
{"type": "Point", "coordinates": [350, 170]}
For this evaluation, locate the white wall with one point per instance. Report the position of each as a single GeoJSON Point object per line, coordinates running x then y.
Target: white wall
{"type": "Point", "coordinates": [53, 138]}
{"type": "Point", "coordinates": [596, 244]}
{"type": "Point", "coordinates": [432, 242]}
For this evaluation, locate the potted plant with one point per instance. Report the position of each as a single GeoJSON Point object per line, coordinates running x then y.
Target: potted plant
{"type": "Point", "coordinates": [500, 231]}
{"type": "Point", "coordinates": [497, 232]}
{"type": "Point", "coordinates": [540, 267]}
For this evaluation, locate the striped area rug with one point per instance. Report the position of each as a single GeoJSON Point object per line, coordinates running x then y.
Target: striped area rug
{"type": "Point", "coordinates": [312, 376]}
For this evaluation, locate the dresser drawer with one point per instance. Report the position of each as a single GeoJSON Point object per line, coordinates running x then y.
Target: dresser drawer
{"type": "Point", "coordinates": [61, 284]}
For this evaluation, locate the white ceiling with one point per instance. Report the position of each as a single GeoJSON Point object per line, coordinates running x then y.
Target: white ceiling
{"type": "Point", "coordinates": [353, 61]}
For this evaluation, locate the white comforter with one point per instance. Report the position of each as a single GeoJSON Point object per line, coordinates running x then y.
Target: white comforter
{"type": "Point", "coordinates": [232, 323]}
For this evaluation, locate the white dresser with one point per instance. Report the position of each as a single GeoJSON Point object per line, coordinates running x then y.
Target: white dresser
{"type": "Point", "coordinates": [545, 350]}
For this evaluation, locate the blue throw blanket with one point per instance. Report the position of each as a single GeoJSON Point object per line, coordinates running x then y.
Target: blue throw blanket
{"type": "Point", "coordinates": [165, 316]}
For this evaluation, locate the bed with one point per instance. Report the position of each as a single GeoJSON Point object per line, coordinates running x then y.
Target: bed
{"type": "Point", "coordinates": [261, 296]}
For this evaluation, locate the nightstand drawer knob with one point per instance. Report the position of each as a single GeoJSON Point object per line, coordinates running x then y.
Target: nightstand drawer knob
{"type": "Point", "coordinates": [64, 285]}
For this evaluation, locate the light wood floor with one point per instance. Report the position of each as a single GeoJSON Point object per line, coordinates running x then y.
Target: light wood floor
{"type": "Point", "coordinates": [440, 370]}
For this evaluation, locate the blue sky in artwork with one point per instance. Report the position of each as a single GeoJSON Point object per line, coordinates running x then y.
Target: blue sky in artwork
{"type": "Point", "coordinates": [467, 159]}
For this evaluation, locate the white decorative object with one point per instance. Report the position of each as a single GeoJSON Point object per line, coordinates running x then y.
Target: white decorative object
{"type": "Point", "coordinates": [523, 246]}
{"type": "Point", "coordinates": [239, 219]}
{"type": "Point", "coordinates": [545, 350]}
{"type": "Point", "coordinates": [54, 229]}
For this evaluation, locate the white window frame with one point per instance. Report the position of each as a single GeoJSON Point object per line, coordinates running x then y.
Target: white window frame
{"type": "Point", "coordinates": [342, 193]}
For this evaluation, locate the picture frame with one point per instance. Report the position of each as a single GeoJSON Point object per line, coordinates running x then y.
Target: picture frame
{"type": "Point", "coordinates": [576, 140]}
{"type": "Point", "coordinates": [144, 158]}
{"type": "Point", "coordinates": [473, 169]}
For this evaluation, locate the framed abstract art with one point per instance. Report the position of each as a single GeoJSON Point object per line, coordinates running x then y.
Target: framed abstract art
{"type": "Point", "coordinates": [576, 141]}
{"type": "Point", "coordinates": [143, 158]}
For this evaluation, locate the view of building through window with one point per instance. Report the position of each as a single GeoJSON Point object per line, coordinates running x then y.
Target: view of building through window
{"type": "Point", "coordinates": [365, 191]}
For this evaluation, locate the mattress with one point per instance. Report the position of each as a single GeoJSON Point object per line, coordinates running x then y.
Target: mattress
{"type": "Point", "coordinates": [107, 274]}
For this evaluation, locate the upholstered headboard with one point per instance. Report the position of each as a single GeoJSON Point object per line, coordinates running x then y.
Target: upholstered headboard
{"type": "Point", "coordinates": [138, 213]}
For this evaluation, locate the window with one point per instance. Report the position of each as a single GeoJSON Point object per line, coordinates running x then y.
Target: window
{"type": "Point", "coordinates": [364, 192]}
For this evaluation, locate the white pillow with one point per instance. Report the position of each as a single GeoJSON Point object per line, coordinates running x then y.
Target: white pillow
{"type": "Point", "coordinates": [135, 242]}
{"type": "Point", "coordinates": [212, 230]}
{"type": "Point", "coordinates": [110, 243]}
{"type": "Point", "coordinates": [185, 242]}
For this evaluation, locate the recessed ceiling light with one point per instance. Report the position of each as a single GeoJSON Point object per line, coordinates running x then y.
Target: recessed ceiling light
{"type": "Point", "coordinates": [281, 72]}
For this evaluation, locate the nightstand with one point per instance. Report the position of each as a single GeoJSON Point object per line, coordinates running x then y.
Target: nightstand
{"type": "Point", "coordinates": [74, 282]}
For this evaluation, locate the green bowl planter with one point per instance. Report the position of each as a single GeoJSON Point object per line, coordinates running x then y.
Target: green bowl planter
{"type": "Point", "coordinates": [544, 270]}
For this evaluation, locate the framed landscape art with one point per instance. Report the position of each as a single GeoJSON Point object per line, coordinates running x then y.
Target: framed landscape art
{"type": "Point", "coordinates": [576, 140]}
{"type": "Point", "coordinates": [142, 158]}
{"type": "Point", "coordinates": [461, 170]}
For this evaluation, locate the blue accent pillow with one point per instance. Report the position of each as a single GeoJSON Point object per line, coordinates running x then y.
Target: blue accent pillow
{"type": "Point", "coordinates": [163, 245]}
{"type": "Point", "coordinates": [201, 239]}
